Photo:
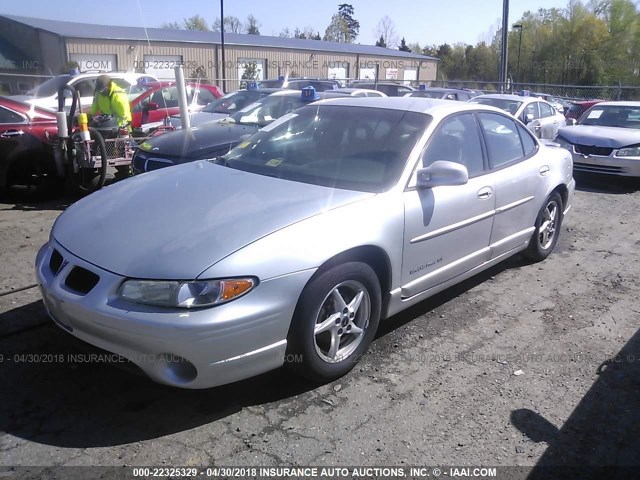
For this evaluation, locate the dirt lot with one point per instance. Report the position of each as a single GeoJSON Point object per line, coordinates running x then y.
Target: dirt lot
{"type": "Point", "coordinates": [526, 364]}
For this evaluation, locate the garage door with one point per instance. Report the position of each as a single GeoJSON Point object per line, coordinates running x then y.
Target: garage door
{"type": "Point", "coordinates": [338, 73]}
{"type": "Point", "coordinates": [90, 62]}
{"type": "Point", "coordinates": [410, 76]}
{"type": "Point", "coordinates": [162, 66]}
{"type": "Point", "coordinates": [367, 74]}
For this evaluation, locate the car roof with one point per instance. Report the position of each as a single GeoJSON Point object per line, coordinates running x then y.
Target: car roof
{"type": "Point", "coordinates": [351, 90]}
{"type": "Point", "coordinates": [430, 106]}
{"type": "Point", "coordinates": [441, 89]}
{"type": "Point", "coordinates": [618, 104]}
{"type": "Point", "coordinates": [502, 96]}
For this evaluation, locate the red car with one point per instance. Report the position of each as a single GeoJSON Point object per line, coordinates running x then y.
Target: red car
{"type": "Point", "coordinates": [26, 156]}
{"type": "Point", "coordinates": [160, 100]}
{"type": "Point", "coordinates": [578, 108]}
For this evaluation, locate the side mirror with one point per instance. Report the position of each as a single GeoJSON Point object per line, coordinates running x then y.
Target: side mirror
{"type": "Point", "coordinates": [442, 173]}
{"type": "Point", "coordinates": [151, 106]}
{"type": "Point", "coordinates": [528, 118]}
{"type": "Point", "coordinates": [570, 122]}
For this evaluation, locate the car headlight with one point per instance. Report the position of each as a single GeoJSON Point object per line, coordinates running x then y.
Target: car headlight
{"type": "Point", "coordinates": [186, 294]}
{"type": "Point", "coordinates": [629, 152]}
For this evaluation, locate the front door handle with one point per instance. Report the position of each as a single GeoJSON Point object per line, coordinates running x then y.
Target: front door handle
{"type": "Point", "coordinates": [485, 192]}
{"type": "Point", "coordinates": [544, 169]}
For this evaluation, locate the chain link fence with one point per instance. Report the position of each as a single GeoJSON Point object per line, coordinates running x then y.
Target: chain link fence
{"type": "Point", "coordinates": [569, 92]}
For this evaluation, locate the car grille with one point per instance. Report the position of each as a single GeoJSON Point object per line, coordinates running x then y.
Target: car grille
{"type": "Point", "coordinates": [588, 167]}
{"type": "Point", "coordinates": [55, 262]}
{"type": "Point", "coordinates": [591, 150]}
{"type": "Point", "coordinates": [80, 280]}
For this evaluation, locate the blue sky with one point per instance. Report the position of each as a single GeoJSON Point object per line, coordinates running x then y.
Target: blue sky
{"type": "Point", "coordinates": [426, 21]}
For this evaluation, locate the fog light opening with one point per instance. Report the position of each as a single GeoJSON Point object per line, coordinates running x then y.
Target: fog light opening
{"type": "Point", "coordinates": [178, 369]}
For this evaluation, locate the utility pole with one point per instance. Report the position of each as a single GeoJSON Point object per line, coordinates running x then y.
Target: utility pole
{"type": "Point", "coordinates": [504, 44]}
{"type": "Point", "coordinates": [224, 86]}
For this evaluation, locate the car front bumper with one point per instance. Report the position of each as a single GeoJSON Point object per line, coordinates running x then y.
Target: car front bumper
{"type": "Point", "coordinates": [197, 348]}
{"type": "Point", "coordinates": [611, 165]}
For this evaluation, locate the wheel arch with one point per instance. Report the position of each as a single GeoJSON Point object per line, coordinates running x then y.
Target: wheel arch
{"type": "Point", "coordinates": [372, 255]}
{"type": "Point", "coordinates": [563, 190]}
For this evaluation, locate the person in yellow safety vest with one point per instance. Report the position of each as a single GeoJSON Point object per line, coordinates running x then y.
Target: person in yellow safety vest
{"type": "Point", "coordinates": [110, 99]}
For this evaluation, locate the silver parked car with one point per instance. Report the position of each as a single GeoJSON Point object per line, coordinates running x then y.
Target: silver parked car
{"type": "Point", "coordinates": [293, 246]}
{"type": "Point", "coordinates": [606, 139]}
{"type": "Point", "coordinates": [537, 114]}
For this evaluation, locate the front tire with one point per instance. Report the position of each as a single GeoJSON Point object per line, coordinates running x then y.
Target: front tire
{"type": "Point", "coordinates": [547, 229]}
{"type": "Point", "coordinates": [334, 322]}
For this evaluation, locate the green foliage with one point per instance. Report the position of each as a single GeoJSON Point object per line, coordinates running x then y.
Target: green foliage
{"type": "Point", "coordinates": [250, 72]}
{"type": "Point", "coordinates": [338, 30]}
{"type": "Point", "coordinates": [346, 11]}
{"type": "Point", "coordinates": [582, 44]}
{"type": "Point", "coordinates": [196, 23]}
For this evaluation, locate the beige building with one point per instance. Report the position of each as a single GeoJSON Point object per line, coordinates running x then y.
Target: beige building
{"type": "Point", "coordinates": [54, 44]}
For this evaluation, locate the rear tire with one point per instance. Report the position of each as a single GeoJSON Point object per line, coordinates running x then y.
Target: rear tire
{"type": "Point", "coordinates": [334, 322]}
{"type": "Point", "coordinates": [547, 229]}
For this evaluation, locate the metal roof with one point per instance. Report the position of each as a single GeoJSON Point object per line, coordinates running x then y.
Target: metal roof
{"type": "Point", "coordinates": [113, 32]}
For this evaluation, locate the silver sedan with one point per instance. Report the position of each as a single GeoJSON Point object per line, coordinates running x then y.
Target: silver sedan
{"type": "Point", "coordinates": [538, 115]}
{"type": "Point", "coordinates": [291, 248]}
{"type": "Point", "coordinates": [606, 139]}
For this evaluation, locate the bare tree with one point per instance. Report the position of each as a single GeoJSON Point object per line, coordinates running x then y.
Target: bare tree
{"type": "Point", "coordinates": [231, 24]}
{"type": "Point", "coordinates": [252, 26]}
{"type": "Point", "coordinates": [387, 31]}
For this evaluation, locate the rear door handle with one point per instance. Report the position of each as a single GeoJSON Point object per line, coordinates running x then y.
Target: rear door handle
{"type": "Point", "coordinates": [12, 133]}
{"type": "Point", "coordinates": [544, 169]}
{"type": "Point", "coordinates": [485, 193]}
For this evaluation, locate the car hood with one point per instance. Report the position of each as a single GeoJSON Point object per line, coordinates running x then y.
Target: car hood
{"type": "Point", "coordinates": [196, 142]}
{"type": "Point", "coordinates": [608, 137]}
{"type": "Point", "coordinates": [176, 222]}
{"type": "Point", "coordinates": [198, 118]}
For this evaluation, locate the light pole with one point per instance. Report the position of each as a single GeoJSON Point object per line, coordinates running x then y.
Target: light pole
{"type": "Point", "coordinates": [224, 87]}
{"type": "Point", "coordinates": [504, 44]}
{"type": "Point", "coordinates": [519, 27]}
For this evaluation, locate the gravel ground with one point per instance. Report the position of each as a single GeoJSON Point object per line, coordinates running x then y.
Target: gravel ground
{"type": "Point", "coordinates": [522, 365]}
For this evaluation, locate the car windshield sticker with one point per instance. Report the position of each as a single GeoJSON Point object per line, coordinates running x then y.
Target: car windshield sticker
{"type": "Point", "coordinates": [145, 146]}
{"type": "Point", "coordinates": [244, 144]}
{"type": "Point", "coordinates": [595, 114]}
{"type": "Point", "coordinates": [274, 162]}
{"type": "Point", "coordinates": [279, 121]}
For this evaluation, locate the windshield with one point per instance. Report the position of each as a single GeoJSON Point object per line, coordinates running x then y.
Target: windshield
{"type": "Point", "coordinates": [270, 83]}
{"type": "Point", "coordinates": [612, 116]}
{"type": "Point", "coordinates": [356, 148]}
{"type": "Point", "coordinates": [232, 102]}
{"type": "Point", "coordinates": [49, 87]}
{"type": "Point", "coordinates": [510, 106]}
{"type": "Point", "coordinates": [268, 109]}
{"type": "Point", "coordinates": [427, 94]}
